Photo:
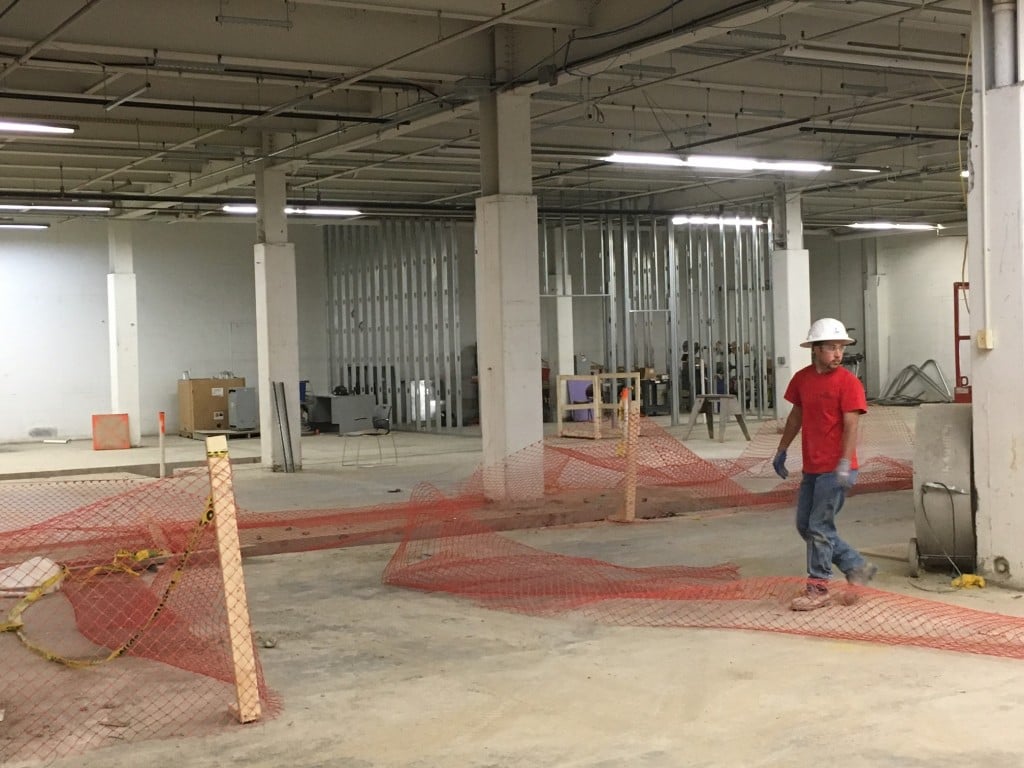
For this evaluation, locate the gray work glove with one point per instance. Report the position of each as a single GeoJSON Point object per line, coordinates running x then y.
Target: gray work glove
{"type": "Point", "coordinates": [843, 473]}
{"type": "Point", "coordinates": [779, 464]}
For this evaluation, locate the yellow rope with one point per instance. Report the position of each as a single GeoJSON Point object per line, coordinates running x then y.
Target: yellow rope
{"type": "Point", "coordinates": [122, 563]}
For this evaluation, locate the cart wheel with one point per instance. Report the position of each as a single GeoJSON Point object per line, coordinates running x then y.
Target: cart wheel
{"type": "Point", "coordinates": [914, 558]}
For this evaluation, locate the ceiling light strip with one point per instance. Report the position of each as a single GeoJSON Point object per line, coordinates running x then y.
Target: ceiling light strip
{"type": "Point", "coordinates": [718, 162]}
{"type": "Point", "coordinates": [15, 126]}
{"type": "Point", "coordinates": [888, 225]}
{"type": "Point", "coordinates": [710, 220]}
{"type": "Point", "coordinates": [29, 207]}
{"type": "Point", "coordinates": [250, 210]}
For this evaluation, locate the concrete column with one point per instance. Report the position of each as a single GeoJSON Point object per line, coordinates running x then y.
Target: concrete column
{"type": "Point", "coordinates": [564, 328]}
{"type": "Point", "coordinates": [791, 311]}
{"type": "Point", "coordinates": [508, 302]}
{"type": "Point", "coordinates": [877, 323]}
{"type": "Point", "coordinates": [791, 295]}
{"type": "Point", "coordinates": [505, 163]}
{"type": "Point", "coordinates": [788, 219]}
{"type": "Point", "coordinates": [995, 243]}
{"type": "Point", "coordinates": [277, 324]}
{"type": "Point", "coordinates": [123, 329]}
{"type": "Point", "coordinates": [508, 343]}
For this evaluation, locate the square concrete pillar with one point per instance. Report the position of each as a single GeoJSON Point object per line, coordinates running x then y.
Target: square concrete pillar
{"type": "Point", "coordinates": [508, 345]}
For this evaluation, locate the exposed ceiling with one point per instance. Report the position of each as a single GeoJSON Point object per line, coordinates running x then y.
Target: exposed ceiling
{"type": "Point", "coordinates": [374, 104]}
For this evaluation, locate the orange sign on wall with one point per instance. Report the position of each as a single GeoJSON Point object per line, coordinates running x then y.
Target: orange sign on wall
{"type": "Point", "coordinates": [110, 431]}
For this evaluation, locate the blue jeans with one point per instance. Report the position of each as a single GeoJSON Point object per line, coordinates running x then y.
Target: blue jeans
{"type": "Point", "coordinates": [818, 503]}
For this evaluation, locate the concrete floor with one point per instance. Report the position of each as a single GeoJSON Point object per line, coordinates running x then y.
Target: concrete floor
{"type": "Point", "coordinates": [376, 676]}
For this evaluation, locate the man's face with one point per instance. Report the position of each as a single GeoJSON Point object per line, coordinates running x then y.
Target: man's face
{"type": "Point", "coordinates": [828, 355]}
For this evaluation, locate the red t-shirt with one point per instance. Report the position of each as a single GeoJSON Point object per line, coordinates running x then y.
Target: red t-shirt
{"type": "Point", "coordinates": [824, 398]}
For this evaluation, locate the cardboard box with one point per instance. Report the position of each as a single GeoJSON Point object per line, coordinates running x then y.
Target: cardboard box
{"type": "Point", "coordinates": [203, 404]}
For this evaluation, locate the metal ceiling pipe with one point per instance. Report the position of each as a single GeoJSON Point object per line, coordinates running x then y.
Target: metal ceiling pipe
{"type": "Point", "coordinates": [1004, 42]}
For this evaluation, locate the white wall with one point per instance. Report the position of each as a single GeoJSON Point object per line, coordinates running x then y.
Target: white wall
{"type": "Point", "coordinates": [914, 275]}
{"type": "Point", "coordinates": [195, 312]}
{"type": "Point", "coordinates": [920, 271]}
{"type": "Point", "coordinates": [837, 283]}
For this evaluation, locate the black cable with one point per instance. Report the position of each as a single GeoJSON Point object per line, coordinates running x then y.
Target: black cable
{"type": "Point", "coordinates": [613, 32]}
{"type": "Point", "coordinates": [632, 24]}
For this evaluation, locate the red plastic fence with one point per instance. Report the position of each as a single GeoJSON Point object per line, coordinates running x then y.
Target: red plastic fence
{"type": "Point", "coordinates": [162, 616]}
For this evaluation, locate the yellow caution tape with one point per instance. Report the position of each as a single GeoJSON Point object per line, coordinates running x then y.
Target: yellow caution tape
{"type": "Point", "coordinates": [121, 563]}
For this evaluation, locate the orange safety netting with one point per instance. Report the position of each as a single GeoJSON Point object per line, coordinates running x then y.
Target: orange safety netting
{"type": "Point", "coordinates": [133, 641]}
{"type": "Point", "coordinates": [464, 557]}
{"type": "Point", "coordinates": [166, 611]}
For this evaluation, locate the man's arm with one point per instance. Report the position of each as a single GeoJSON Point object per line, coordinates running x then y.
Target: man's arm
{"type": "Point", "coordinates": [851, 423]}
{"type": "Point", "coordinates": [793, 424]}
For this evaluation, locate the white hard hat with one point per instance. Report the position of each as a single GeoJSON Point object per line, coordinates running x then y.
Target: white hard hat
{"type": "Point", "coordinates": [827, 329]}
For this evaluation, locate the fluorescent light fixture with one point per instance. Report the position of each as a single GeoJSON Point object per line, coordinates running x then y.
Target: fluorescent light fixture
{"type": "Point", "coordinates": [864, 89]}
{"type": "Point", "coordinates": [864, 170]}
{"type": "Point", "coordinates": [756, 34]}
{"type": "Point", "coordinates": [721, 162]}
{"type": "Point", "coordinates": [762, 112]}
{"type": "Point", "coordinates": [938, 63]}
{"type": "Point", "coordinates": [323, 211]}
{"type": "Point", "coordinates": [254, 20]}
{"type": "Point", "coordinates": [965, 174]}
{"type": "Point", "coordinates": [24, 226]}
{"type": "Point", "coordinates": [12, 126]}
{"type": "Point", "coordinates": [643, 158]}
{"type": "Point", "coordinates": [888, 225]}
{"type": "Point", "coordinates": [647, 69]}
{"type": "Point", "coordinates": [733, 221]}
{"type": "Point", "coordinates": [294, 211]}
{"type": "Point", "coordinates": [726, 163]}
{"type": "Point", "coordinates": [45, 207]}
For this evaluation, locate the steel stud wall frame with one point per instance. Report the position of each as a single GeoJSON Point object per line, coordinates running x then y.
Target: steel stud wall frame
{"type": "Point", "coordinates": [725, 309]}
{"type": "Point", "coordinates": [692, 300]}
{"type": "Point", "coordinates": [393, 315]}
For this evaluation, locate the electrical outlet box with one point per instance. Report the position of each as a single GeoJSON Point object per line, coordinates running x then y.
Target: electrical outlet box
{"type": "Point", "coordinates": [986, 339]}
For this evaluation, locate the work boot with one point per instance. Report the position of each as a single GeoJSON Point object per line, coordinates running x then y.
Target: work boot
{"type": "Point", "coordinates": [816, 596]}
{"type": "Point", "coordinates": [861, 576]}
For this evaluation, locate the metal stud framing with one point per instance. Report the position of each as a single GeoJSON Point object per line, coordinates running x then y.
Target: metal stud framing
{"type": "Point", "coordinates": [691, 301]}
{"type": "Point", "coordinates": [393, 306]}
{"type": "Point", "coordinates": [725, 310]}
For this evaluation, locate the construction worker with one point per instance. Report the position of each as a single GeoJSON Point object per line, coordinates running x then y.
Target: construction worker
{"type": "Point", "coordinates": [827, 401]}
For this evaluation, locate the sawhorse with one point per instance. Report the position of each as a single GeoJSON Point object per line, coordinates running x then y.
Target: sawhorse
{"type": "Point", "coordinates": [729, 405]}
